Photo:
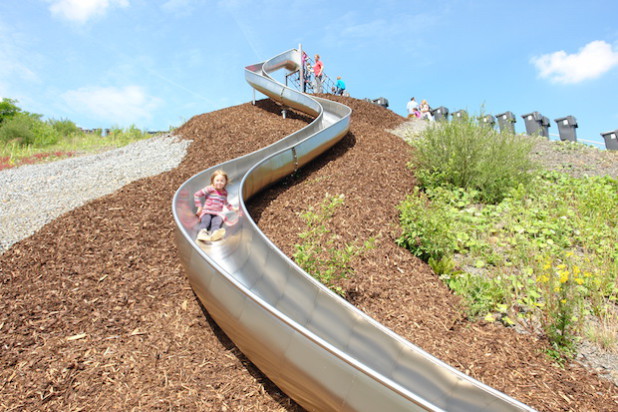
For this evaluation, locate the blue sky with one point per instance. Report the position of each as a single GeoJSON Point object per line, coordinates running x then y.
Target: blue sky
{"type": "Point", "coordinates": [156, 63]}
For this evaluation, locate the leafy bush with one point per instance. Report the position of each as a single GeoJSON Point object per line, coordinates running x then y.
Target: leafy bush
{"type": "Point", "coordinates": [469, 155]}
{"type": "Point", "coordinates": [64, 127]}
{"type": "Point", "coordinates": [546, 255]}
{"type": "Point", "coordinates": [27, 129]}
{"type": "Point", "coordinates": [426, 225]}
{"type": "Point", "coordinates": [45, 134]}
{"type": "Point", "coordinates": [482, 295]}
{"type": "Point", "coordinates": [24, 137]}
{"type": "Point", "coordinates": [126, 135]}
{"type": "Point", "coordinates": [18, 129]}
{"type": "Point", "coordinates": [8, 109]}
{"type": "Point", "coordinates": [319, 254]}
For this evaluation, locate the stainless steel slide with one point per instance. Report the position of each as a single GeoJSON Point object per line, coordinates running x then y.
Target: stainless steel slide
{"type": "Point", "coordinates": [322, 351]}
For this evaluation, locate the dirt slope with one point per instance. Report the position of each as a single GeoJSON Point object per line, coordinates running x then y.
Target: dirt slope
{"type": "Point", "coordinates": [96, 312]}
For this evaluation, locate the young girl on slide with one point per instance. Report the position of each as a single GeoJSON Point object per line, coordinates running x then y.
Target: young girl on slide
{"type": "Point", "coordinates": [211, 212]}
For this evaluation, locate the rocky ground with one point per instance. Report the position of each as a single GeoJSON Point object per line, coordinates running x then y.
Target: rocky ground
{"type": "Point", "coordinates": [96, 311]}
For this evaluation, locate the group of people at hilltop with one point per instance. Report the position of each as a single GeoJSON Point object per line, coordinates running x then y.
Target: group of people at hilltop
{"type": "Point", "coordinates": [419, 111]}
{"type": "Point", "coordinates": [415, 109]}
{"type": "Point", "coordinates": [317, 70]}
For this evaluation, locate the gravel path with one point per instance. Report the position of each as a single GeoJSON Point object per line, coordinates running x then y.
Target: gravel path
{"type": "Point", "coordinates": [34, 195]}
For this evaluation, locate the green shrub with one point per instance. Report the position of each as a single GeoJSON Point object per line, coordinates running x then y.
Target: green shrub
{"type": "Point", "coordinates": [8, 109]}
{"type": "Point", "coordinates": [481, 294]}
{"type": "Point", "coordinates": [64, 127]}
{"type": "Point", "coordinates": [468, 155]}
{"type": "Point", "coordinates": [18, 129]}
{"type": "Point", "coordinates": [426, 225]}
{"type": "Point", "coordinates": [45, 134]}
{"type": "Point", "coordinates": [545, 256]}
{"type": "Point", "coordinates": [320, 253]}
{"type": "Point", "coordinates": [26, 129]}
{"type": "Point", "coordinates": [24, 136]}
{"type": "Point", "coordinates": [119, 136]}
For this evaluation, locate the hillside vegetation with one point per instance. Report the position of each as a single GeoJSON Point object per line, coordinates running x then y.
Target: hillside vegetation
{"type": "Point", "coordinates": [522, 244]}
{"type": "Point", "coordinates": [97, 301]}
{"type": "Point", "coordinates": [25, 138]}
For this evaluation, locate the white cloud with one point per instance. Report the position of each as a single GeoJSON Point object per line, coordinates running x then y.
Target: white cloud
{"type": "Point", "coordinates": [592, 61]}
{"type": "Point", "coordinates": [120, 106]}
{"type": "Point", "coordinates": [80, 11]}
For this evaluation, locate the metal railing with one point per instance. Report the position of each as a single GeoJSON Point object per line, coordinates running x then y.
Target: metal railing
{"type": "Point", "coordinates": [294, 79]}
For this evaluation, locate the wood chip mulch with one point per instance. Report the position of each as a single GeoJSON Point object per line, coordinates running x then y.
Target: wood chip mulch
{"type": "Point", "coordinates": [96, 312]}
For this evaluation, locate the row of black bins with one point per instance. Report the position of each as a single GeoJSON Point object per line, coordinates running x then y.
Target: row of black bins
{"type": "Point", "coordinates": [535, 122]}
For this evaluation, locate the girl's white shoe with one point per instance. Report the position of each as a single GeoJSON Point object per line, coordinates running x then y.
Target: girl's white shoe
{"type": "Point", "coordinates": [217, 235]}
{"type": "Point", "coordinates": [204, 236]}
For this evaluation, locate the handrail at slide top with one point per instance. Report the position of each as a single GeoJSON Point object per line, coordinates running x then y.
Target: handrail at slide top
{"type": "Point", "coordinates": [319, 349]}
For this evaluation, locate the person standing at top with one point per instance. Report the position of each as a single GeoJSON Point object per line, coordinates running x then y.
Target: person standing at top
{"type": "Point", "coordinates": [318, 72]}
{"type": "Point", "coordinates": [412, 108]}
{"type": "Point", "coordinates": [340, 86]}
{"type": "Point", "coordinates": [306, 71]}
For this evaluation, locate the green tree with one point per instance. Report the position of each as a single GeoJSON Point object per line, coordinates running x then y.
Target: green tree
{"type": "Point", "coordinates": [8, 108]}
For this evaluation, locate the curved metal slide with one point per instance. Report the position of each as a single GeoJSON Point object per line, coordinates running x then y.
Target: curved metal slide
{"type": "Point", "coordinates": [320, 350]}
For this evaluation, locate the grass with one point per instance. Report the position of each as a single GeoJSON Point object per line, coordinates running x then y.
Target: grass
{"type": "Point", "coordinates": [542, 251]}
{"type": "Point", "coordinates": [26, 139]}
{"type": "Point", "coordinates": [13, 153]}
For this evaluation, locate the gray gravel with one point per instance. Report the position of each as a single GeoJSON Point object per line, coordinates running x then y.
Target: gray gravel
{"type": "Point", "coordinates": [34, 195]}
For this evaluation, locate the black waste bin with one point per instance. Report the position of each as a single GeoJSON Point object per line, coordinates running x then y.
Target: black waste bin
{"type": "Point", "coordinates": [487, 120]}
{"type": "Point", "coordinates": [381, 101]}
{"type": "Point", "coordinates": [441, 113]}
{"type": "Point", "coordinates": [459, 115]}
{"type": "Point", "coordinates": [566, 128]}
{"type": "Point", "coordinates": [611, 140]}
{"type": "Point", "coordinates": [536, 124]}
{"type": "Point", "coordinates": [506, 122]}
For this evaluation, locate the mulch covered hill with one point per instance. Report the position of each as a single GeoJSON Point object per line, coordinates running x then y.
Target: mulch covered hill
{"type": "Point", "coordinates": [97, 313]}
